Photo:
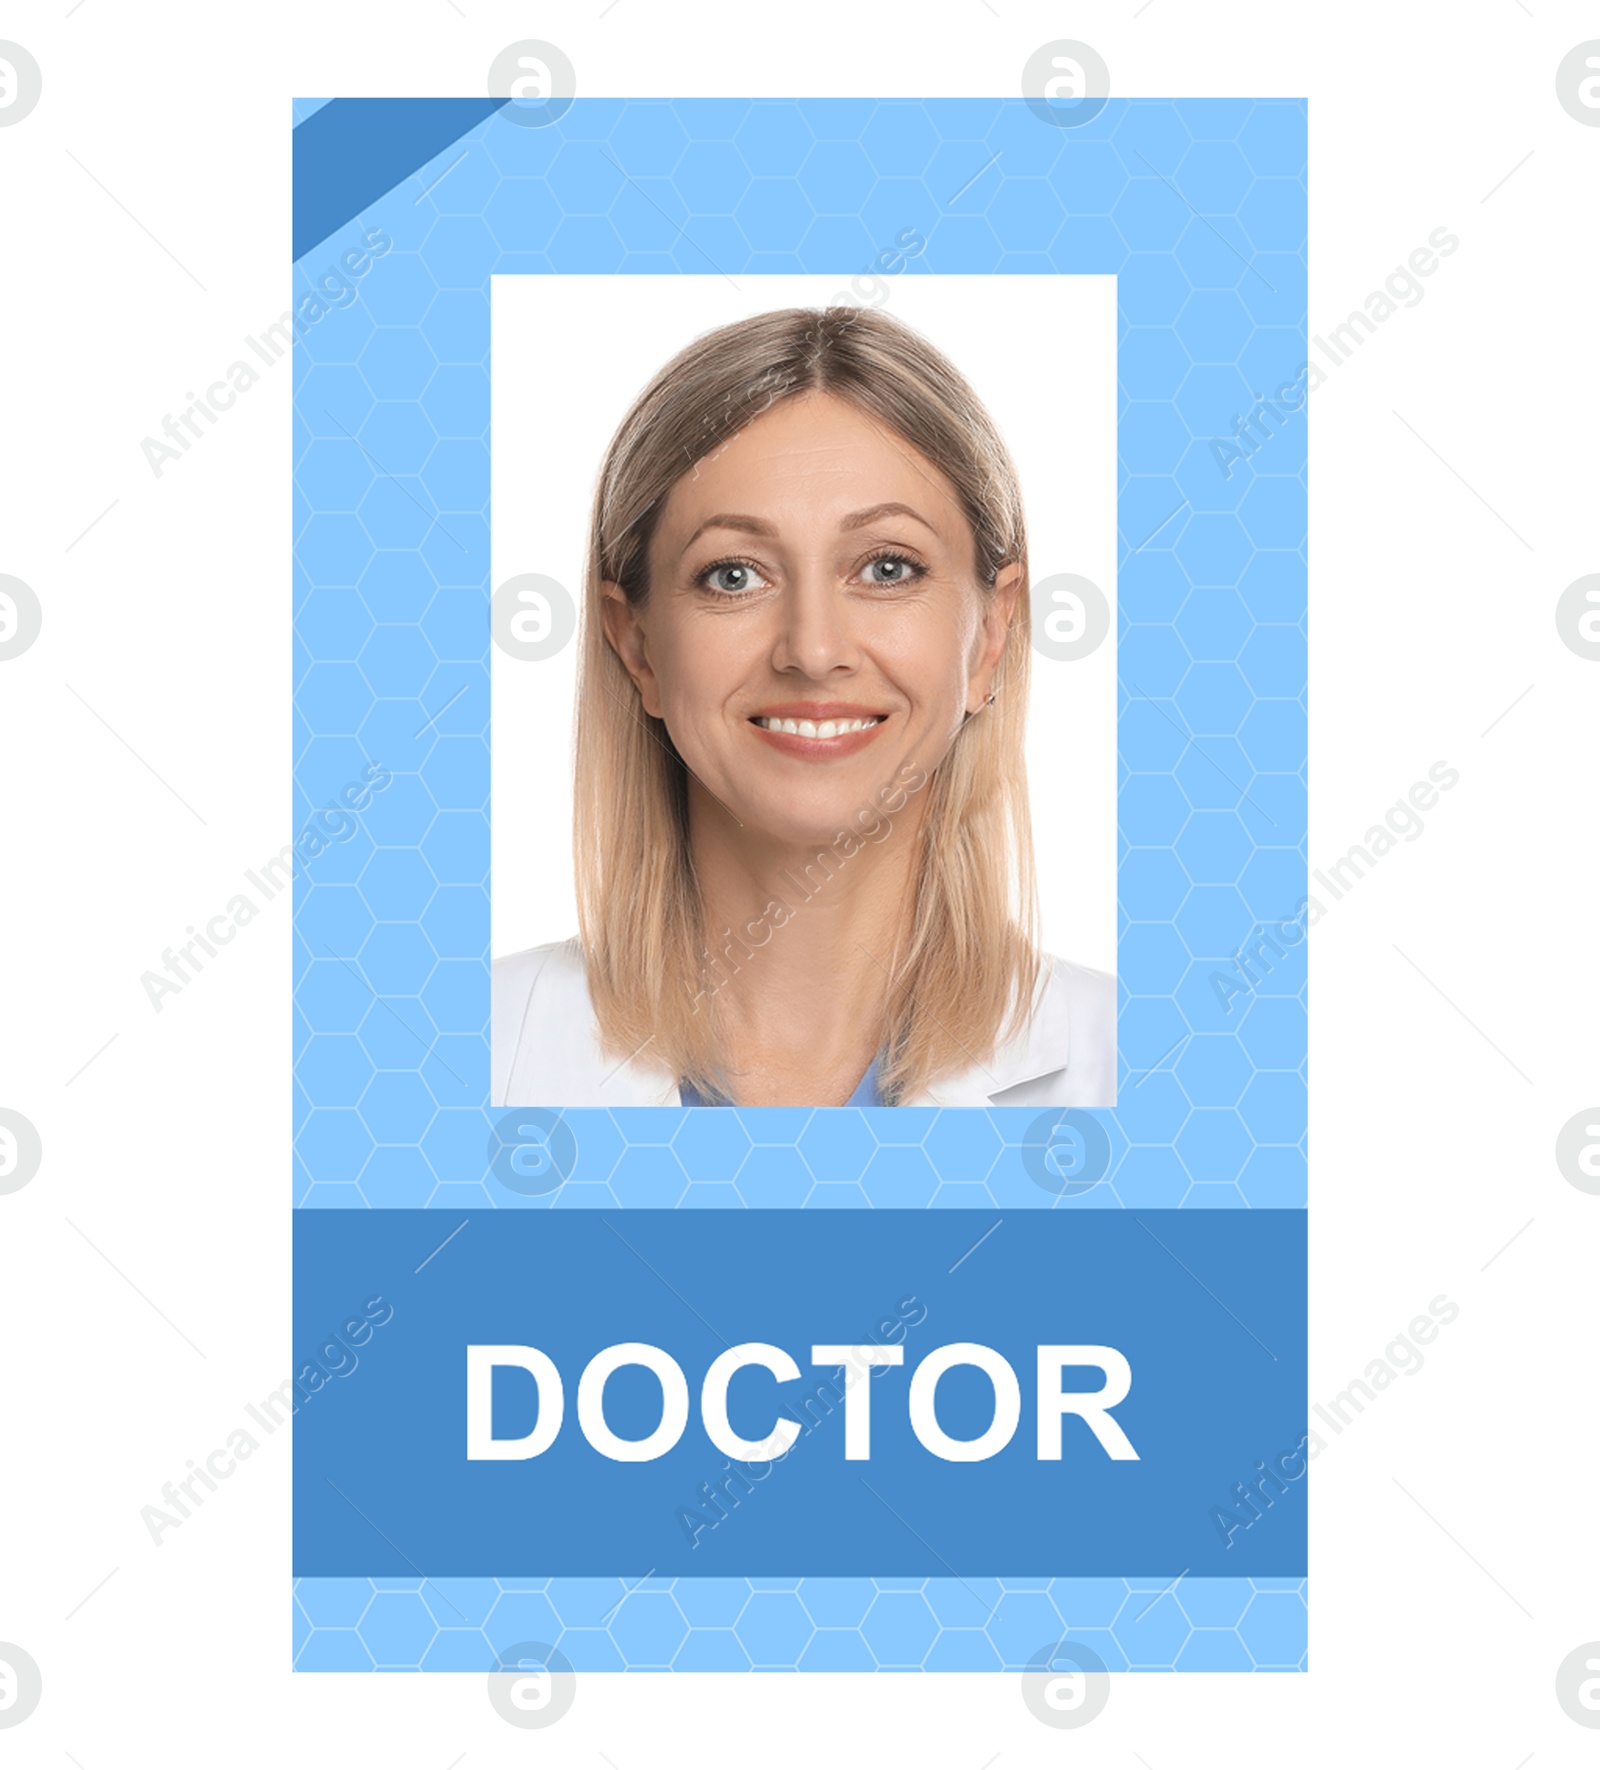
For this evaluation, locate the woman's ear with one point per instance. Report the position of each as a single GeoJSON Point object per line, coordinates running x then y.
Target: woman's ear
{"type": "Point", "coordinates": [626, 638]}
{"type": "Point", "coordinates": [999, 606]}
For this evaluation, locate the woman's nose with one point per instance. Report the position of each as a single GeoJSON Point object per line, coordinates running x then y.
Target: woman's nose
{"type": "Point", "coordinates": [815, 630]}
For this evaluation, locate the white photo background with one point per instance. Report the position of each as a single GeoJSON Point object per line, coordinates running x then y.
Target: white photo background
{"type": "Point", "coordinates": [570, 354]}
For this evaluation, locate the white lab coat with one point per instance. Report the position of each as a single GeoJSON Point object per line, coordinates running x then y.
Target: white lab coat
{"type": "Point", "coordinates": [545, 1050]}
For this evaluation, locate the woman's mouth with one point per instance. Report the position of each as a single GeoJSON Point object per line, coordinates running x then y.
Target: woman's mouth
{"type": "Point", "coordinates": [817, 732]}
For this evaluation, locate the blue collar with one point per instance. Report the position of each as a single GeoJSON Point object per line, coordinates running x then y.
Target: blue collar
{"type": "Point", "coordinates": [866, 1093]}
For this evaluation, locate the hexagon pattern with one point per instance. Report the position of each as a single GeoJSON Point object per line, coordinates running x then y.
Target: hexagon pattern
{"type": "Point", "coordinates": [1199, 208]}
{"type": "Point", "coordinates": [835, 1625]}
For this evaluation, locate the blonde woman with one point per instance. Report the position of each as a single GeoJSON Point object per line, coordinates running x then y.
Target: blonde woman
{"type": "Point", "coordinates": [804, 867]}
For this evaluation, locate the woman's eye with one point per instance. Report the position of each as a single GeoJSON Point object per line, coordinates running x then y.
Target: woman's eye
{"type": "Point", "coordinates": [892, 569]}
{"type": "Point", "coordinates": [731, 578]}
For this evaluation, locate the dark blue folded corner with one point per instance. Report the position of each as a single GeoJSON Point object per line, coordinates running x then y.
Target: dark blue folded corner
{"type": "Point", "coordinates": [353, 150]}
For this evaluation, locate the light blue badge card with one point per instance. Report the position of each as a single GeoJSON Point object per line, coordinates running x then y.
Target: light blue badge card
{"type": "Point", "coordinates": [750, 552]}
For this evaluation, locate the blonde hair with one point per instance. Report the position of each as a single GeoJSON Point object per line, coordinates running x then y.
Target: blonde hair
{"type": "Point", "coordinates": [966, 964]}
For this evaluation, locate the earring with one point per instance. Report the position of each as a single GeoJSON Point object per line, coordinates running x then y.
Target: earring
{"type": "Point", "coordinates": [990, 701]}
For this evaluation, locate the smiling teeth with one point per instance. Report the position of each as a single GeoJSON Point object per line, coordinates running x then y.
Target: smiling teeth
{"type": "Point", "coordinates": [808, 728]}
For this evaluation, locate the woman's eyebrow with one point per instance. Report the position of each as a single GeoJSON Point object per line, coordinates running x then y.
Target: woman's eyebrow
{"type": "Point", "coordinates": [750, 525]}
{"type": "Point", "coordinates": [862, 517]}
{"type": "Point", "coordinates": [754, 525]}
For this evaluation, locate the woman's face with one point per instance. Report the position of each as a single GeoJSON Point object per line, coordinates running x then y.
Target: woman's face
{"type": "Point", "coordinates": [815, 623]}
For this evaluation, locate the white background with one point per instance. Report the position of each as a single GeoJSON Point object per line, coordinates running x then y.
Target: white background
{"type": "Point", "coordinates": [616, 332]}
{"type": "Point", "coordinates": [1429, 619]}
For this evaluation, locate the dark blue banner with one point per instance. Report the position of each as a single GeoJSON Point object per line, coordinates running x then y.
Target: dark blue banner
{"type": "Point", "coordinates": [1039, 1393]}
